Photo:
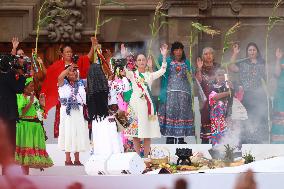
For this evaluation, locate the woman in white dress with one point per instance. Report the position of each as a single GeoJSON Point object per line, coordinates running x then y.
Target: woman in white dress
{"type": "Point", "coordinates": [73, 128]}
{"type": "Point", "coordinates": [143, 116]}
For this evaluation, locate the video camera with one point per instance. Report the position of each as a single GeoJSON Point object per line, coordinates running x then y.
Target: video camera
{"type": "Point", "coordinates": [25, 58]}
{"type": "Point", "coordinates": [75, 58]}
{"type": "Point", "coordinates": [120, 62]}
{"type": "Point", "coordinates": [9, 62]}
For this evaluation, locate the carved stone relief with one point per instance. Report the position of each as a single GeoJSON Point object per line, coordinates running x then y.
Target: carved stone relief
{"type": "Point", "coordinates": [205, 5]}
{"type": "Point", "coordinates": [236, 6]}
{"type": "Point", "coordinates": [68, 28]}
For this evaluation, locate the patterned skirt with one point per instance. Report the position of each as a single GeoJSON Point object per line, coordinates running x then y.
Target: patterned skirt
{"type": "Point", "coordinates": [132, 130]}
{"type": "Point", "coordinates": [30, 145]}
{"type": "Point", "coordinates": [277, 130]}
{"type": "Point", "coordinates": [176, 115]}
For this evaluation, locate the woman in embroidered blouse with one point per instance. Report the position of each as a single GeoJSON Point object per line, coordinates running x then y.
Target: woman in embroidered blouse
{"type": "Point", "coordinates": [73, 129]}
{"type": "Point", "coordinates": [205, 74]}
{"type": "Point", "coordinates": [175, 108]}
{"type": "Point", "coordinates": [145, 123]}
{"type": "Point", "coordinates": [251, 73]}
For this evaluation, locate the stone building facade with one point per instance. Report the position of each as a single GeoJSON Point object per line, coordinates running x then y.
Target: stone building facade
{"type": "Point", "coordinates": [130, 23]}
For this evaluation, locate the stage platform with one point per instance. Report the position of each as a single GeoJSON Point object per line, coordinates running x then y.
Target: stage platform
{"type": "Point", "coordinates": [269, 171]}
{"type": "Point", "coordinates": [259, 151]}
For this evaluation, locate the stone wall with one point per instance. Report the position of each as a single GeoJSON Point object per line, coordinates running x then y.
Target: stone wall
{"type": "Point", "coordinates": [130, 21]}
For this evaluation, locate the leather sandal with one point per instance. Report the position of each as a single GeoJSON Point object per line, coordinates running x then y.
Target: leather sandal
{"type": "Point", "coordinates": [78, 163]}
{"type": "Point", "coordinates": [68, 163]}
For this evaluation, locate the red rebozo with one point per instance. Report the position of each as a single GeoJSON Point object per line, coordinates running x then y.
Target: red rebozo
{"type": "Point", "coordinates": [49, 87]}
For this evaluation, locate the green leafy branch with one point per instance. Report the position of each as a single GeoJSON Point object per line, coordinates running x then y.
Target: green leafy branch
{"type": "Point", "coordinates": [104, 3]}
{"type": "Point", "coordinates": [196, 29]}
{"type": "Point", "coordinates": [110, 2]}
{"type": "Point", "coordinates": [227, 42]}
{"type": "Point", "coordinates": [272, 21]}
{"type": "Point", "coordinates": [206, 29]}
{"type": "Point", "coordinates": [45, 17]}
{"type": "Point", "coordinates": [155, 29]}
{"type": "Point", "coordinates": [100, 24]}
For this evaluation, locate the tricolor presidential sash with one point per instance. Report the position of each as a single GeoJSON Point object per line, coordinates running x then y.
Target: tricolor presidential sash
{"type": "Point", "coordinates": [146, 93]}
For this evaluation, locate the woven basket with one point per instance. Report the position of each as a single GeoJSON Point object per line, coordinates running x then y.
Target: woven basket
{"type": "Point", "coordinates": [158, 161]}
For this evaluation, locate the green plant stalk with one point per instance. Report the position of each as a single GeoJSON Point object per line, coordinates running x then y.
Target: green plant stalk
{"type": "Point", "coordinates": [96, 30]}
{"type": "Point", "coordinates": [222, 59]}
{"type": "Point", "coordinates": [269, 28]}
{"type": "Point", "coordinates": [225, 44]}
{"type": "Point", "coordinates": [196, 27]}
{"type": "Point", "coordinates": [152, 38]}
{"type": "Point", "coordinates": [98, 18]}
{"type": "Point", "coordinates": [267, 77]}
{"type": "Point", "coordinates": [190, 45]}
{"type": "Point", "coordinates": [38, 28]}
{"type": "Point", "coordinates": [189, 76]}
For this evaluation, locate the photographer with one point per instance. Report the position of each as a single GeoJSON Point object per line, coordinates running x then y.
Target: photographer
{"type": "Point", "coordinates": [12, 82]}
{"type": "Point", "coordinates": [50, 87]}
{"type": "Point", "coordinates": [22, 59]}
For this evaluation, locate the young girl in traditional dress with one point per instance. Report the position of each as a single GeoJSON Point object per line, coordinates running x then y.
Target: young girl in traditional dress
{"type": "Point", "coordinates": [73, 128]}
{"type": "Point", "coordinates": [220, 102]}
{"type": "Point", "coordinates": [144, 118]}
{"type": "Point", "coordinates": [122, 86]}
{"type": "Point", "coordinates": [30, 136]}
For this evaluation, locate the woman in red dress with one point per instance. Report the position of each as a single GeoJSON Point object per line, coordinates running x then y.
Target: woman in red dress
{"type": "Point", "coordinates": [50, 88]}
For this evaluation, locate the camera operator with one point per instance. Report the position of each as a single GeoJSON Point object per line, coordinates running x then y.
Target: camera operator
{"type": "Point", "coordinates": [23, 60]}
{"type": "Point", "coordinates": [12, 82]}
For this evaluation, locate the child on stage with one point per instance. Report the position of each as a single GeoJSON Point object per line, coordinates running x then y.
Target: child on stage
{"type": "Point", "coordinates": [30, 136]}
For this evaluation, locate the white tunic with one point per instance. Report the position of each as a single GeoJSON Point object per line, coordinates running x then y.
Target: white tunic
{"type": "Point", "coordinates": [106, 139]}
{"type": "Point", "coordinates": [73, 129]}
